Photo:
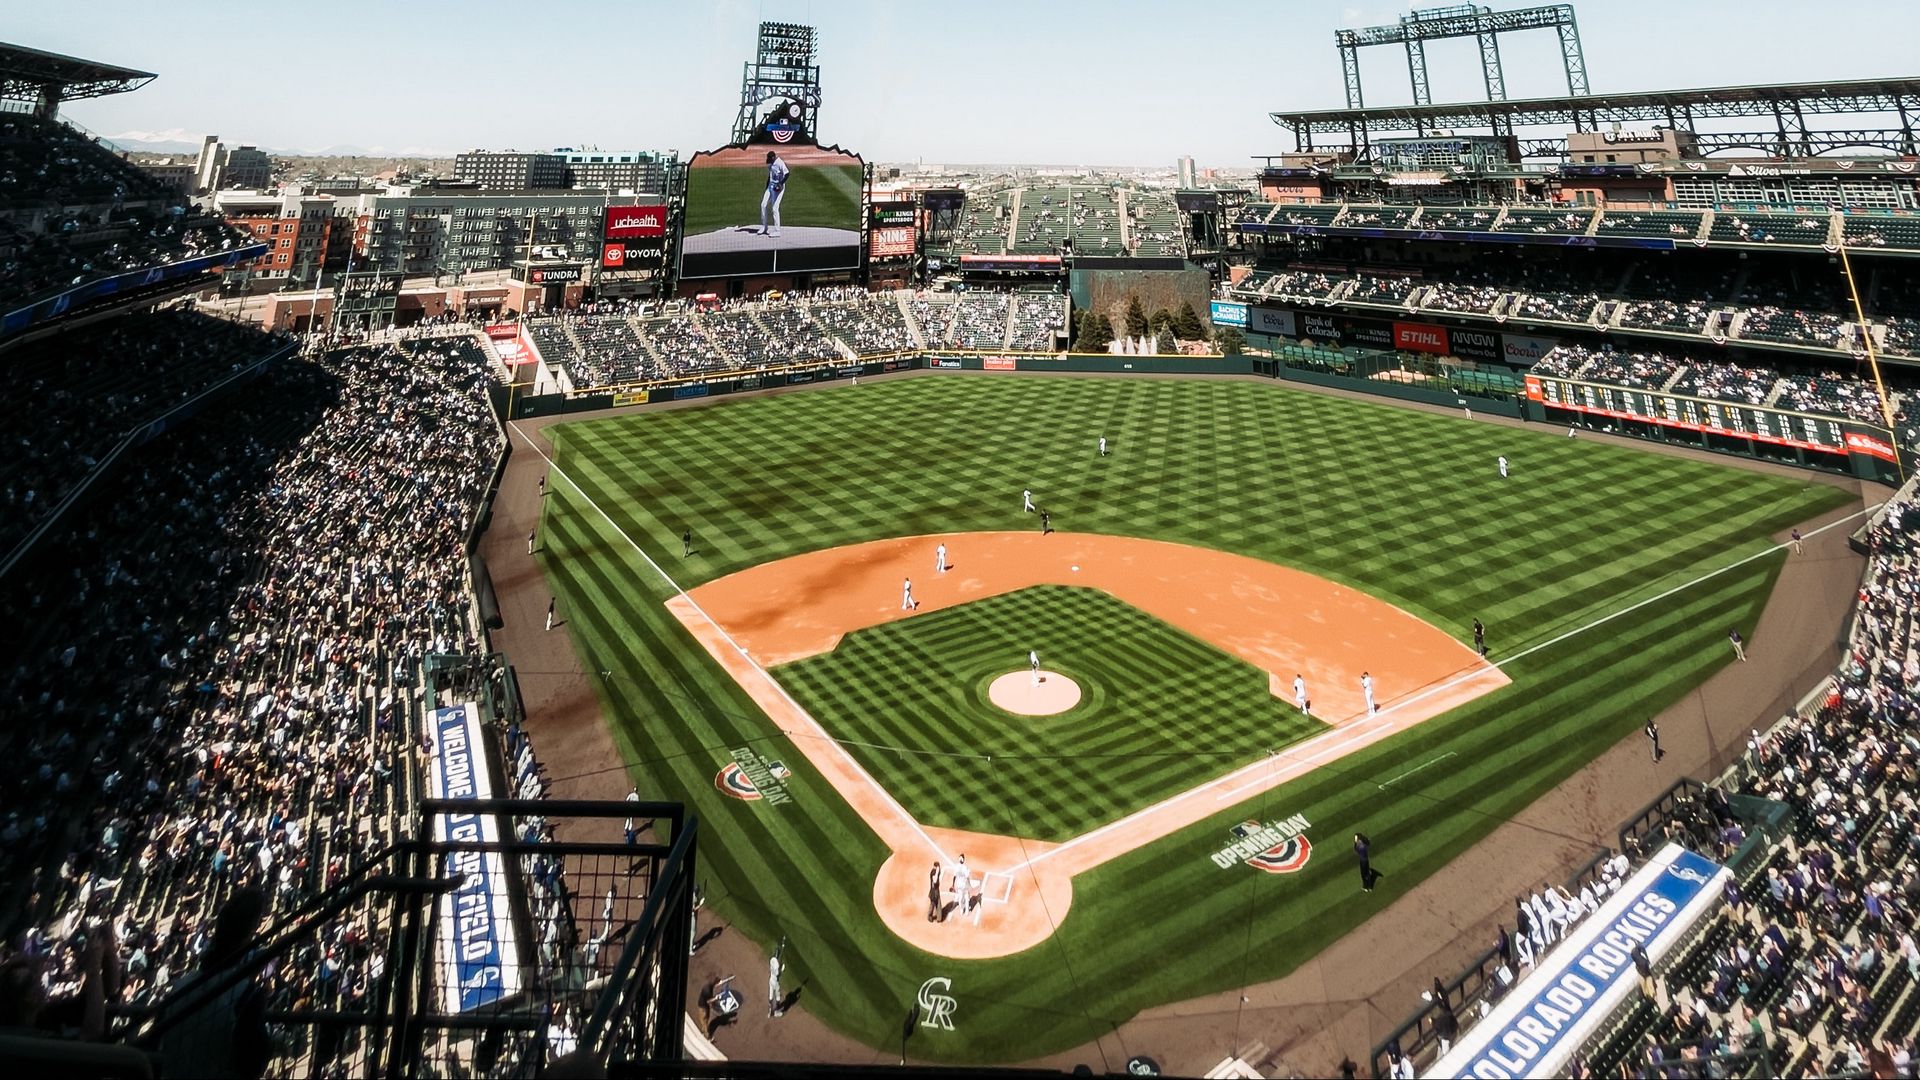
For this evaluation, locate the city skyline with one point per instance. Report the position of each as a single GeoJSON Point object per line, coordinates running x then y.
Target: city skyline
{"type": "Point", "coordinates": [1126, 84]}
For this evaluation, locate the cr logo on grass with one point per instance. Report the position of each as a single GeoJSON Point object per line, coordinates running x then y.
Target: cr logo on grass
{"type": "Point", "coordinates": [936, 1005]}
{"type": "Point", "coordinates": [1277, 847]}
{"type": "Point", "coordinates": [751, 778]}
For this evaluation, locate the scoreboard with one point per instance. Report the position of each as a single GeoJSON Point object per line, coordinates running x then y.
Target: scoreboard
{"type": "Point", "coordinates": [1807, 432]}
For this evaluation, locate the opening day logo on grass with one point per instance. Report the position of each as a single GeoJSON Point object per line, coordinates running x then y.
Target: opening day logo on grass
{"type": "Point", "coordinates": [751, 778]}
{"type": "Point", "coordinates": [1277, 847]}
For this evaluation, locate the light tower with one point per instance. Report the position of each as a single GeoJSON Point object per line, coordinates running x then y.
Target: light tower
{"type": "Point", "coordinates": [782, 70]}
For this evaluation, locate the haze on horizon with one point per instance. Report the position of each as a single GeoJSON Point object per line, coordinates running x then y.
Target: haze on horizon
{"type": "Point", "coordinates": [1126, 83]}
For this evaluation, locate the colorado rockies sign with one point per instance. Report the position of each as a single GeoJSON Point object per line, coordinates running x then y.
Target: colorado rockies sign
{"type": "Point", "coordinates": [936, 1004]}
{"type": "Point", "coordinates": [1276, 847]}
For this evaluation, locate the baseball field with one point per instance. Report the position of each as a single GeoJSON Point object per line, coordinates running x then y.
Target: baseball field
{"type": "Point", "coordinates": [1179, 827]}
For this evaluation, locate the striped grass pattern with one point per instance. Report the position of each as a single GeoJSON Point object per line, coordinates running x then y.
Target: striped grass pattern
{"type": "Point", "coordinates": [1161, 711]}
{"type": "Point", "coordinates": [1406, 505]}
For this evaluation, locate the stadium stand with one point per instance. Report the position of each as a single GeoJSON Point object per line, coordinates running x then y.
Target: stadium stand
{"type": "Point", "coordinates": [1563, 222]}
{"type": "Point", "coordinates": [229, 669]}
{"type": "Point", "coordinates": [867, 326]}
{"type": "Point", "coordinates": [1308, 214]}
{"type": "Point", "coordinates": [1460, 218]}
{"type": "Point", "coordinates": [93, 387]}
{"type": "Point", "coordinates": [1881, 231]}
{"type": "Point", "coordinates": [1379, 217]}
{"type": "Point", "coordinates": [1827, 392]}
{"type": "Point", "coordinates": [980, 321]}
{"type": "Point", "coordinates": [1798, 230]}
{"type": "Point", "coordinates": [1042, 226]}
{"type": "Point", "coordinates": [1036, 321]}
{"type": "Point", "coordinates": [1668, 224]}
{"type": "Point", "coordinates": [1154, 223]}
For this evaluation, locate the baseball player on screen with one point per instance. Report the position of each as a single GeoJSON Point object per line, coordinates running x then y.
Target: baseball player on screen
{"type": "Point", "coordinates": [776, 187]}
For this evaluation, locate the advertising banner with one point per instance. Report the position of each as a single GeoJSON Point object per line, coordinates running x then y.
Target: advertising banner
{"type": "Point", "coordinates": [1523, 350]}
{"type": "Point", "coordinates": [1561, 1003]}
{"type": "Point", "coordinates": [636, 222]}
{"type": "Point", "coordinates": [944, 364]}
{"type": "Point", "coordinates": [631, 397]}
{"type": "Point", "coordinates": [1420, 337]}
{"type": "Point", "coordinates": [1228, 313]}
{"type": "Point", "coordinates": [1368, 332]}
{"type": "Point", "coordinates": [999, 363]}
{"type": "Point", "coordinates": [690, 390]}
{"type": "Point", "coordinates": [1275, 321]}
{"type": "Point", "coordinates": [554, 275]}
{"type": "Point", "coordinates": [474, 939]}
{"type": "Point", "coordinates": [1321, 328]}
{"type": "Point", "coordinates": [496, 331]}
{"type": "Point", "coordinates": [893, 229]}
{"type": "Point", "coordinates": [1474, 344]}
{"type": "Point", "coordinates": [1693, 414]}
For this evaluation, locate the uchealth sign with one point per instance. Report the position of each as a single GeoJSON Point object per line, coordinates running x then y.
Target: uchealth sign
{"type": "Point", "coordinates": [1420, 337]}
{"type": "Point", "coordinates": [635, 222]}
{"type": "Point", "coordinates": [1526, 349]}
{"type": "Point", "coordinates": [1273, 321]}
{"type": "Point", "coordinates": [1474, 344]}
{"type": "Point", "coordinates": [1547, 1016]}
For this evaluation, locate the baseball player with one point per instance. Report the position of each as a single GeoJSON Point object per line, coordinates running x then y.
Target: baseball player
{"type": "Point", "coordinates": [1739, 645]}
{"type": "Point", "coordinates": [1046, 523]}
{"type": "Point", "coordinates": [907, 602]}
{"type": "Point", "coordinates": [940, 559]}
{"type": "Point", "coordinates": [1103, 446]}
{"type": "Point", "coordinates": [530, 533]}
{"type": "Point", "coordinates": [1026, 500]}
{"type": "Point", "coordinates": [551, 601]}
{"type": "Point", "coordinates": [1033, 662]}
{"type": "Point", "coordinates": [1503, 466]}
{"type": "Point", "coordinates": [1794, 541]}
{"type": "Point", "coordinates": [773, 985]}
{"type": "Point", "coordinates": [962, 883]}
{"type": "Point", "coordinates": [776, 188]}
{"type": "Point", "coordinates": [1479, 638]}
{"type": "Point", "coordinates": [1366, 687]}
{"type": "Point", "coordinates": [1300, 695]}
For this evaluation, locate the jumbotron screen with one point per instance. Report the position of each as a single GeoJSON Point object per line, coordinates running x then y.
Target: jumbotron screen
{"type": "Point", "coordinates": [771, 209]}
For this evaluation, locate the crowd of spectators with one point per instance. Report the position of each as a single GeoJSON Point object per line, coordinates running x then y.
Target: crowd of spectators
{"type": "Point", "coordinates": [1640, 370]}
{"type": "Point", "coordinates": [980, 320]}
{"type": "Point", "coordinates": [1825, 329]}
{"type": "Point", "coordinates": [216, 663]}
{"type": "Point", "coordinates": [868, 325]}
{"type": "Point", "coordinates": [1374, 288]}
{"type": "Point", "coordinates": [1833, 393]}
{"type": "Point", "coordinates": [88, 389]}
{"type": "Point", "coordinates": [81, 245]}
{"type": "Point", "coordinates": [1037, 320]}
{"type": "Point", "coordinates": [1747, 384]}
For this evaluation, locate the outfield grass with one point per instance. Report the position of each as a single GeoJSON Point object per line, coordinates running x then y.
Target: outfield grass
{"type": "Point", "coordinates": [909, 698]}
{"type": "Point", "coordinates": [1403, 504]}
{"type": "Point", "coordinates": [721, 197]}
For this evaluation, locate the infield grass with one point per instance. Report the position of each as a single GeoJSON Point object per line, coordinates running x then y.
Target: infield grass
{"type": "Point", "coordinates": [1160, 712]}
{"type": "Point", "coordinates": [1405, 505]}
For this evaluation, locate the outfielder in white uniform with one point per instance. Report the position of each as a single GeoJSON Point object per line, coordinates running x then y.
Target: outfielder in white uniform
{"type": "Point", "coordinates": [940, 559]}
{"type": "Point", "coordinates": [773, 986]}
{"type": "Point", "coordinates": [1503, 466]}
{"type": "Point", "coordinates": [907, 602]}
{"type": "Point", "coordinates": [1103, 446]}
{"type": "Point", "coordinates": [1300, 694]}
{"type": "Point", "coordinates": [776, 189]}
{"type": "Point", "coordinates": [1366, 687]}
{"type": "Point", "coordinates": [1033, 662]}
{"type": "Point", "coordinates": [1026, 503]}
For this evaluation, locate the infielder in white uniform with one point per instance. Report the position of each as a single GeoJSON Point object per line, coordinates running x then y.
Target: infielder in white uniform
{"type": "Point", "coordinates": [907, 602]}
{"type": "Point", "coordinates": [1503, 466]}
{"type": "Point", "coordinates": [776, 188]}
{"type": "Point", "coordinates": [1026, 505]}
{"type": "Point", "coordinates": [1366, 687]}
{"type": "Point", "coordinates": [940, 559]}
{"type": "Point", "coordinates": [1103, 446]}
{"type": "Point", "coordinates": [1300, 695]}
{"type": "Point", "coordinates": [773, 987]}
{"type": "Point", "coordinates": [1033, 662]}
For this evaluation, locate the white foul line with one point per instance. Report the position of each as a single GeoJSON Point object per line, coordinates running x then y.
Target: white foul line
{"type": "Point", "coordinates": [722, 631]}
{"type": "Point", "coordinates": [1336, 744]}
{"type": "Point", "coordinates": [1415, 769]}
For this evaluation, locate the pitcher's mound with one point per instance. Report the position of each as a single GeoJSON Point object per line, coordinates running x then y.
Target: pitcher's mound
{"type": "Point", "coordinates": [1016, 693]}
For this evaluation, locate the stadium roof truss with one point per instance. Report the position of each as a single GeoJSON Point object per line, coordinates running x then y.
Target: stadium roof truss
{"type": "Point", "coordinates": [1785, 106]}
{"type": "Point", "coordinates": [32, 75]}
{"type": "Point", "coordinates": [1483, 24]}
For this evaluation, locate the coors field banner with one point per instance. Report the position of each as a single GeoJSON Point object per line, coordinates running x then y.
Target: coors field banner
{"type": "Point", "coordinates": [1525, 350]}
{"type": "Point", "coordinates": [1273, 321]}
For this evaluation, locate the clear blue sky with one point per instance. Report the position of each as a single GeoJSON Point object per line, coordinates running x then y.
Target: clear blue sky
{"type": "Point", "coordinates": [1120, 82]}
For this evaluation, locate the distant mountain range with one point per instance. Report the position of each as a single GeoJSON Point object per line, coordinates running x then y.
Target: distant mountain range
{"type": "Point", "coordinates": [181, 141]}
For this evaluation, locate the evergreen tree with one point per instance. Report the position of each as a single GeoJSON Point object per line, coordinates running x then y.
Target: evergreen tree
{"type": "Point", "coordinates": [1164, 343]}
{"type": "Point", "coordinates": [1187, 324]}
{"type": "Point", "coordinates": [1230, 341]}
{"type": "Point", "coordinates": [1096, 333]}
{"type": "Point", "coordinates": [1136, 317]}
{"type": "Point", "coordinates": [1162, 322]}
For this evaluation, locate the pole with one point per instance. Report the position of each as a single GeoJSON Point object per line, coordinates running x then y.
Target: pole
{"type": "Point", "coordinates": [1873, 358]}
